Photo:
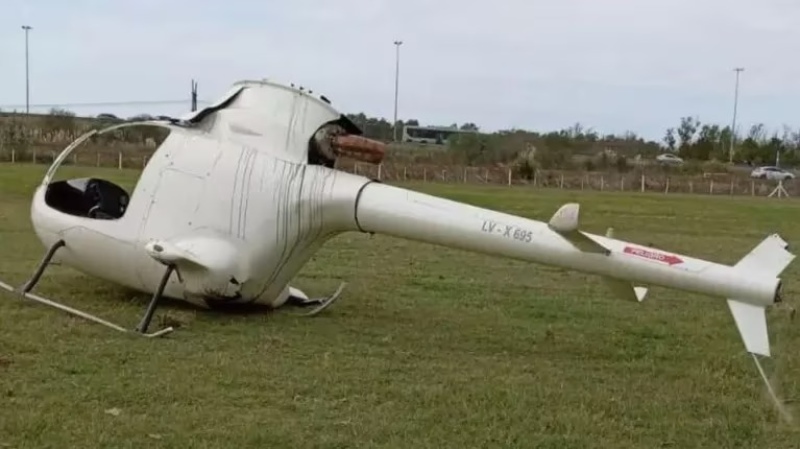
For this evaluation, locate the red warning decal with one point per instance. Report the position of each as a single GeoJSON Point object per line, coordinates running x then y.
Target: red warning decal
{"type": "Point", "coordinates": [669, 259]}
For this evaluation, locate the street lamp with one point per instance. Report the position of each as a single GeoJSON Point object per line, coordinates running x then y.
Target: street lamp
{"type": "Point", "coordinates": [738, 70]}
{"type": "Point", "coordinates": [397, 45]}
{"type": "Point", "coordinates": [27, 28]}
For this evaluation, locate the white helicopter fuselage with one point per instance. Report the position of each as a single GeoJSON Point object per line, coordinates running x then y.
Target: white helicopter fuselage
{"type": "Point", "coordinates": [244, 202]}
{"type": "Point", "coordinates": [221, 197]}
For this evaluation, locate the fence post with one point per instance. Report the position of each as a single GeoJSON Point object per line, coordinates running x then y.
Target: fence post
{"type": "Point", "coordinates": [509, 176]}
{"type": "Point", "coordinates": [602, 182]}
{"type": "Point", "coordinates": [465, 175]}
{"type": "Point", "coordinates": [666, 188]}
{"type": "Point", "coordinates": [119, 160]}
{"type": "Point", "coordinates": [622, 183]}
{"type": "Point", "coordinates": [34, 155]}
{"type": "Point", "coordinates": [535, 172]}
{"type": "Point", "coordinates": [731, 186]}
{"type": "Point", "coordinates": [404, 173]}
{"type": "Point", "coordinates": [561, 182]}
{"type": "Point", "coordinates": [691, 186]}
{"type": "Point", "coordinates": [711, 187]}
{"type": "Point", "coordinates": [752, 188]}
{"type": "Point", "coordinates": [13, 156]}
{"type": "Point", "coordinates": [380, 171]}
{"type": "Point", "coordinates": [355, 168]}
{"type": "Point", "coordinates": [642, 182]}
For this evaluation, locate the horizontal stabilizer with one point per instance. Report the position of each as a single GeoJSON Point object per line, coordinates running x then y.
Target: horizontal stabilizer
{"type": "Point", "coordinates": [751, 320]}
{"type": "Point", "coordinates": [566, 221]}
{"type": "Point", "coordinates": [770, 257]}
{"type": "Point", "coordinates": [625, 289]}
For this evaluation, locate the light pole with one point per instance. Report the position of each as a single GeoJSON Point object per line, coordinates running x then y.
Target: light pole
{"type": "Point", "coordinates": [738, 70]}
{"type": "Point", "coordinates": [397, 45]}
{"type": "Point", "coordinates": [27, 28]}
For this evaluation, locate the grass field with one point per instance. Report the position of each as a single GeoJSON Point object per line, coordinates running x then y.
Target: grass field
{"type": "Point", "coordinates": [428, 347]}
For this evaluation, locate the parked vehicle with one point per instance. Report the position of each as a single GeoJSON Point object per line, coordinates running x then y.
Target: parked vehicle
{"type": "Point", "coordinates": [773, 173]}
{"type": "Point", "coordinates": [107, 116]}
{"type": "Point", "coordinates": [668, 158]}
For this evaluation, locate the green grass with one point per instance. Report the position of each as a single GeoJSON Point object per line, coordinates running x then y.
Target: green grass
{"type": "Point", "coordinates": [428, 347]}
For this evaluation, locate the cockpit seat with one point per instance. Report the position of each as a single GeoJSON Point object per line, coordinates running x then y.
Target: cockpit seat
{"type": "Point", "coordinates": [88, 197]}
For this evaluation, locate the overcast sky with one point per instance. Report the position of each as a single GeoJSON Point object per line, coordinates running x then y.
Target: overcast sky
{"type": "Point", "coordinates": [614, 65]}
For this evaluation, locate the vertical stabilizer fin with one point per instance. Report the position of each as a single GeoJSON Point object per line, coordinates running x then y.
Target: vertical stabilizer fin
{"type": "Point", "coordinates": [769, 257]}
{"type": "Point", "coordinates": [751, 321]}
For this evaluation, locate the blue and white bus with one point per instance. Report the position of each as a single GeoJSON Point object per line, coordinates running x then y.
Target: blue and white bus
{"type": "Point", "coordinates": [435, 135]}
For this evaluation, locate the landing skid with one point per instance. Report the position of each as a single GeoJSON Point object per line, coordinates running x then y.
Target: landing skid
{"type": "Point", "coordinates": [25, 291]}
{"type": "Point", "coordinates": [320, 303]}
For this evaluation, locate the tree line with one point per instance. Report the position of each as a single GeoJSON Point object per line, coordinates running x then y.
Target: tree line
{"type": "Point", "coordinates": [690, 139]}
{"type": "Point", "coordinates": [20, 132]}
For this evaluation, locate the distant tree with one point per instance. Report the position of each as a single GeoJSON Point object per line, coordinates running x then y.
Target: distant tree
{"type": "Point", "coordinates": [669, 139]}
{"type": "Point", "coordinates": [686, 132]}
{"type": "Point", "coordinates": [61, 112]}
{"type": "Point", "coordinates": [704, 147]}
{"type": "Point", "coordinates": [140, 117]}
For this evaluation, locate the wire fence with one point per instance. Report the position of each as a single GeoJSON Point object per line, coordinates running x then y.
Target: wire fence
{"type": "Point", "coordinates": [707, 183]}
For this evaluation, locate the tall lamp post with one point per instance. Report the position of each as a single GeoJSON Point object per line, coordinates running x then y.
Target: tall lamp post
{"type": "Point", "coordinates": [27, 28]}
{"type": "Point", "coordinates": [397, 45]}
{"type": "Point", "coordinates": [738, 70]}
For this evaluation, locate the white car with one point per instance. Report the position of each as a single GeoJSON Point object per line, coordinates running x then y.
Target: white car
{"type": "Point", "coordinates": [667, 158]}
{"type": "Point", "coordinates": [773, 173]}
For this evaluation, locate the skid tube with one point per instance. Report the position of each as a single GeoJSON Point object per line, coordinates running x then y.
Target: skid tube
{"type": "Point", "coordinates": [141, 329]}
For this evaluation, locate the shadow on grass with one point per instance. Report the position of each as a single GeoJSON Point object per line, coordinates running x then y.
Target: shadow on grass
{"type": "Point", "coordinates": [218, 309]}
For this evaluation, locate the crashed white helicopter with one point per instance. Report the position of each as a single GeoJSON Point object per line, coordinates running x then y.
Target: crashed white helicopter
{"type": "Point", "coordinates": [242, 193]}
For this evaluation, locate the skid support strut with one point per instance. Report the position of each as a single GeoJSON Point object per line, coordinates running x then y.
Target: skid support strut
{"type": "Point", "coordinates": [25, 291]}
{"type": "Point", "coordinates": [28, 286]}
{"type": "Point", "coordinates": [151, 308]}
